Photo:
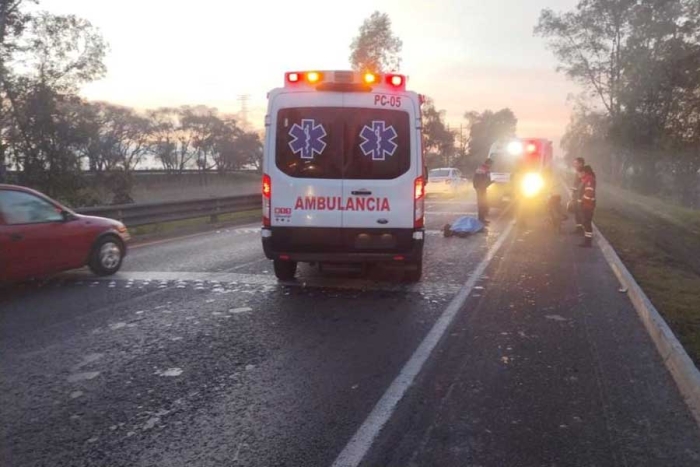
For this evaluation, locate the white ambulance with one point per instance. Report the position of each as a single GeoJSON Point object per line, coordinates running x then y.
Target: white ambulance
{"type": "Point", "coordinates": [344, 179]}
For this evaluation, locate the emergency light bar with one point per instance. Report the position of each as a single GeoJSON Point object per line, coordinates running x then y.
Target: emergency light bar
{"type": "Point", "coordinates": [345, 78]}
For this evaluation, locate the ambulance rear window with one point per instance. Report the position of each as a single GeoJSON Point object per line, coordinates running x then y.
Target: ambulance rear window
{"type": "Point", "coordinates": [343, 142]}
{"type": "Point", "coordinates": [309, 142]}
{"type": "Point", "coordinates": [378, 144]}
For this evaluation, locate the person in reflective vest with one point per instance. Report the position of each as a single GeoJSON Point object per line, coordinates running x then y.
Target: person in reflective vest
{"type": "Point", "coordinates": [587, 203]}
{"type": "Point", "coordinates": [579, 163]}
{"type": "Point", "coordinates": [482, 180]}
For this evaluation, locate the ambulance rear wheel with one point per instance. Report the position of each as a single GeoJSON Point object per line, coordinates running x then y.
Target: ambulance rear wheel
{"type": "Point", "coordinates": [414, 272]}
{"type": "Point", "coordinates": [285, 270]}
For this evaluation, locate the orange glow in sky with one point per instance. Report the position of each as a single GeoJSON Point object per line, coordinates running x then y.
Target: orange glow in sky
{"type": "Point", "coordinates": [465, 54]}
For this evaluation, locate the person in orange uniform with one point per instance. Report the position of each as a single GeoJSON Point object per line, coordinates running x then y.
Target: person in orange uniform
{"type": "Point", "coordinates": [587, 204]}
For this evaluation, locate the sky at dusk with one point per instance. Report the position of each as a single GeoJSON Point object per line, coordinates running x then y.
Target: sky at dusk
{"type": "Point", "coordinates": [465, 54]}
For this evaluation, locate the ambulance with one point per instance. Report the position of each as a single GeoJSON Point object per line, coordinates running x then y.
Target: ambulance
{"type": "Point", "coordinates": [520, 168]}
{"type": "Point", "coordinates": [344, 178]}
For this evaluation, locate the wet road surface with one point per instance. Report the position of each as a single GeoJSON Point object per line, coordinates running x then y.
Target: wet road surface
{"type": "Point", "coordinates": [194, 354]}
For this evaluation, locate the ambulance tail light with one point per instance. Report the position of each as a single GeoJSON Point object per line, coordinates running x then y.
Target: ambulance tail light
{"type": "Point", "coordinates": [419, 203]}
{"type": "Point", "coordinates": [267, 200]}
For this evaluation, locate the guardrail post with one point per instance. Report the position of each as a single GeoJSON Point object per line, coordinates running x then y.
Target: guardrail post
{"type": "Point", "coordinates": [214, 218]}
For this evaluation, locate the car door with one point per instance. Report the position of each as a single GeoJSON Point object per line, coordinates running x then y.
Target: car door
{"type": "Point", "coordinates": [30, 235]}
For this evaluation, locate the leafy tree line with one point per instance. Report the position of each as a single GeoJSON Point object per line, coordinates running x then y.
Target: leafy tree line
{"type": "Point", "coordinates": [50, 135]}
{"type": "Point", "coordinates": [376, 48]}
{"type": "Point", "coordinates": [638, 62]}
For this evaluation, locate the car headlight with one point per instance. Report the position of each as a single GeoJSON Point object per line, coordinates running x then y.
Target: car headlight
{"type": "Point", "coordinates": [532, 184]}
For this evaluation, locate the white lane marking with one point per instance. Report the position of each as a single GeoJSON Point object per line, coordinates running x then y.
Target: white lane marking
{"type": "Point", "coordinates": [86, 376]}
{"type": "Point", "coordinates": [362, 441]}
{"type": "Point", "coordinates": [170, 372]}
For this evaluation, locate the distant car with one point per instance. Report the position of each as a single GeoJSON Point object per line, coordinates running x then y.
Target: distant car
{"type": "Point", "coordinates": [445, 181]}
{"type": "Point", "coordinates": [40, 237]}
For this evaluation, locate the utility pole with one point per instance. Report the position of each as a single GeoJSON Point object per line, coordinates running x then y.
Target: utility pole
{"type": "Point", "coordinates": [243, 99]}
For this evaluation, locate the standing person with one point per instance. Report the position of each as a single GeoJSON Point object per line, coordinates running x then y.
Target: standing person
{"type": "Point", "coordinates": [579, 163]}
{"type": "Point", "coordinates": [587, 204]}
{"type": "Point", "coordinates": [482, 180]}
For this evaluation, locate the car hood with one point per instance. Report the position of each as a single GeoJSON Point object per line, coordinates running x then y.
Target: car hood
{"type": "Point", "coordinates": [102, 221]}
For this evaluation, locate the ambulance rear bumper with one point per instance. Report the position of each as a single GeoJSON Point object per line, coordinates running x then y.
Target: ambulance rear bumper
{"type": "Point", "coordinates": [337, 245]}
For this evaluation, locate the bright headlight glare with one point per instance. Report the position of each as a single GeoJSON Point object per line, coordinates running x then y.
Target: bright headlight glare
{"type": "Point", "coordinates": [515, 148]}
{"type": "Point", "coordinates": [532, 184]}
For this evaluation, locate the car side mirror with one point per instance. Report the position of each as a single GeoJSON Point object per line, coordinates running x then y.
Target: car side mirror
{"type": "Point", "coordinates": [67, 216]}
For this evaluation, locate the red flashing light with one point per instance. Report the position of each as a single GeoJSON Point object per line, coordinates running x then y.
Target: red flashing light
{"type": "Point", "coordinates": [311, 77]}
{"type": "Point", "coordinates": [531, 148]}
{"type": "Point", "coordinates": [395, 80]}
{"type": "Point", "coordinates": [398, 258]}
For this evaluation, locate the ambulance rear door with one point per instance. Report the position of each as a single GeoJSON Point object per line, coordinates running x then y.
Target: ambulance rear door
{"type": "Point", "coordinates": [306, 160]}
{"type": "Point", "coordinates": [381, 160]}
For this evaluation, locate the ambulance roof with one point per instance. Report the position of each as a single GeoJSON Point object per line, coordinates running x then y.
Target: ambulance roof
{"type": "Point", "coordinates": [344, 81]}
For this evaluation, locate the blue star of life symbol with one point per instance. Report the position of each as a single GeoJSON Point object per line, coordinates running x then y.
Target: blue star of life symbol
{"type": "Point", "coordinates": [378, 140]}
{"type": "Point", "coordinates": [308, 138]}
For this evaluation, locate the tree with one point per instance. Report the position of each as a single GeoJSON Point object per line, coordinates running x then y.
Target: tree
{"type": "Point", "coordinates": [250, 150]}
{"type": "Point", "coordinates": [590, 45]}
{"type": "Point", "coordinates": [46, 146]}
{"type": "Point", "coordinates": [45, 59]}
{"type": "Point", "coordinates": [12, 23]}
{"type": "Point", "coordinates": [376, 48]}
{"type": "Point", "coordinates": [640, 59]}
{"type": "Point", "coordinates": [171, 140]}
{"type": "Point", "coordinates": [487, 128]}
{"type": "Point", "coordinates": [438, 141]}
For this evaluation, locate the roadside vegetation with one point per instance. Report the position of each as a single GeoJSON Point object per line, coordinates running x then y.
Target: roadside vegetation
{"type": "Point", "coordinates": [660, 245]}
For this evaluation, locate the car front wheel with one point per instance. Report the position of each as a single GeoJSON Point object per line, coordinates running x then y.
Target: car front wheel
{"type": "Point", "coordinates": [107, 256]}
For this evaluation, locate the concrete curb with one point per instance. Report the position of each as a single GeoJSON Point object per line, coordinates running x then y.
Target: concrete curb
{"type": "Point", "coordinates": [677, 361]}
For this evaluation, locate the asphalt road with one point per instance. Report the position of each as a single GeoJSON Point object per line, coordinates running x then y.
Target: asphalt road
{"type": "Point", "coordinates": [194, 355]}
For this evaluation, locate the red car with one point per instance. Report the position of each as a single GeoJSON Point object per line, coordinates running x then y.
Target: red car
{"type": "Point", "coordinates": [39, 237]}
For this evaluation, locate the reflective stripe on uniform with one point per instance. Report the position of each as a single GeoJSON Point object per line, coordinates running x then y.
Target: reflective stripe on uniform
{"type": "Point", "coordinates": [589, 234]}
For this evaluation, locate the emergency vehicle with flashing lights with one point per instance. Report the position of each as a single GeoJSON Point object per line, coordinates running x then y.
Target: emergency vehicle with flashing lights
{"type": "Point", "coordinates": [344, 178]}
{"type": "Point", "coordinates": [521, 169]}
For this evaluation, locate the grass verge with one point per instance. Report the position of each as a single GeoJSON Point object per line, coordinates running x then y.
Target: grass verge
{"type": "Point", "coordinates": [668, 279]}
{"type": "Point", "coordinates": [197, 223]}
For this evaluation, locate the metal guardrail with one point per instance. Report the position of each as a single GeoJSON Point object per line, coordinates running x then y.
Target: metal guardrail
{"type": "Point", "coordinates": [134, 215]}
